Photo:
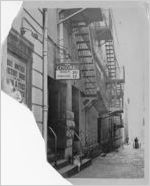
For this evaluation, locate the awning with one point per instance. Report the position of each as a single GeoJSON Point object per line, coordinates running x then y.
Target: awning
{"type": "Point", "coordinates": [87, 15]}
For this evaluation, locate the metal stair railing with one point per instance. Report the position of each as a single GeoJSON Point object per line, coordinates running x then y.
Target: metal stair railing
{"type": "Point", "coordinates": [80, 141]}
{"type": "Point", "coordinates": [75, 133]}
{"type": "Point", "coordinates": [55, 136]}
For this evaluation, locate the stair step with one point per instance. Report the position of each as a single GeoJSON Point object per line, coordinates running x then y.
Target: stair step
{"type": "Point", "coordinates": [85, 56]}
{"type": "Point", "coordinates": [81, 34]}
{"type": "Point", "coordinates": [90, 95]}
{"type": "Point", "coordinates": [109, 49]}
{"type": "Point", "coordinates": [60, 163]}
{"type": "Point", "coordinates": [111, 68]}
{"type": "Point", "coordinates": [85, 63]}
{"type": "Point", "coordinates": [79, 26]}
{"type": "Point", "coordinates": [110, 57]}
{"type": "Point", "coordinates": [90, 82]}
{"type": "Point", "coordinates": [90, 88]}
{"type": "Point", "coordinates": [79, 23]}
{"type": "Point", "coordinates": [83, 49]}
{"type": "Point", "coordinates": [80, 42]}
{"type": "Point", "coordinates": [85, 70]}
{"type": "Point", "coordinates": [70, 170]}
{"type": "Point", "coordinates": [109, 45]}
{"type": "Point", "coordinates": [89, 76]}
{"type": "Point", "coordinates": [51, 158]}
{"type": "Point", "coordinates": [111, 72]}
{"type": "Point", "coordinates": [111, 63]}
{"type": "Point", "coordinates": [109, 53]}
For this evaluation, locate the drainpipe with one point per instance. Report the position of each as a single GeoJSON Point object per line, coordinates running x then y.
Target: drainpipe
{"type": "Point", "coordinates": [45, 75]}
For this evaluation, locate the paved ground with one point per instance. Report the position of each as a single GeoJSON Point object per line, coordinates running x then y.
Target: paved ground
{"type": "Point", "coordinates": [126, 163]}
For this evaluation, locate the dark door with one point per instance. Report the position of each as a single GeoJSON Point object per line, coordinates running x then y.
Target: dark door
{"type": "Point", "coordinates": [56, 114]}
{"type": "Point", "coordinates": [99, 131]}
{"type": "Point", "coordinates": [75, 107]}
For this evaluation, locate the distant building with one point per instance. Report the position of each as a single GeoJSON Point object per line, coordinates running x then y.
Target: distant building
{"type": "Point", "coordinates": [84, 113]}
{"type": "Point", "coordinates": [126, 127]}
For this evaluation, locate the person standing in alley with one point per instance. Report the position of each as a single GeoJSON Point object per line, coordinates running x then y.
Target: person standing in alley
{"type": "Point", "coordinates": [127, 140]}
{"type": "Point", "coordinates": [136, 143]}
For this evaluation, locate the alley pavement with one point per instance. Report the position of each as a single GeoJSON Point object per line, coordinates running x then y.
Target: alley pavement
{"type": "Point", "coordinates": [126, 162]}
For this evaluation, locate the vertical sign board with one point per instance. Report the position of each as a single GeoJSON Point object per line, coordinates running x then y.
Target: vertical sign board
{"type": "Point", "coordinates": [16, 73]}
{"type": "Point", "coordinates": [67, 71]}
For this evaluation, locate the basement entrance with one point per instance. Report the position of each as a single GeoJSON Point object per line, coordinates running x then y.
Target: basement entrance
{"type": "Point", "coordinates": [56, 119]}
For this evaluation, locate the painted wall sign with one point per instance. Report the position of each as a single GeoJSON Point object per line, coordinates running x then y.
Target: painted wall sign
{"type": "Point", "coordinates": [16, 73]}
{"type": "Point", "coordinates": [67, 71]}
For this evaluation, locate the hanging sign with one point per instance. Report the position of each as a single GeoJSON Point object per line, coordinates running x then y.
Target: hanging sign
{"type": "Point", "coordinates": [67, 71]}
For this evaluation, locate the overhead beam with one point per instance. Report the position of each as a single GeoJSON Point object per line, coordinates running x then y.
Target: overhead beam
{"type": "Point", "coordinates": [72, 15]}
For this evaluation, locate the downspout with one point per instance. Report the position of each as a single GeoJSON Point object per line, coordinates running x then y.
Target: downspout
{"type": "Point", "coordinates": [45, 75]}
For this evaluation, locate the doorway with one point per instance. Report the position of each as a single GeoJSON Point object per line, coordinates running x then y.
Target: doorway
{"type": "Point", "coordinates": [56, 116]}
{"type": "Point", "coordinates": [75, 110]}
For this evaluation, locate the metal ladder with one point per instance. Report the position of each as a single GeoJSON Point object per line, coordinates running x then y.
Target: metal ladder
{"type": "Point", "coordinates": [112, 73]}
{"type": "Point", "coordinates": [111, 61]}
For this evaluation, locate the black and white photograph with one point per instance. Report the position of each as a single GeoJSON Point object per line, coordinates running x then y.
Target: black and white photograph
{"type": "Point", "coordinates": [74, 93]}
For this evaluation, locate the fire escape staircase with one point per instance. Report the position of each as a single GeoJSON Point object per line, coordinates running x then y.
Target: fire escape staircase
{"type": "Point", "coordinates": [83, 43]}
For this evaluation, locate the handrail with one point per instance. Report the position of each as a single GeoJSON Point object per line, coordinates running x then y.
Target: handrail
{"type": "Point", "coordinates": [79, 140]}
{"type": "Point", "coordinates": [75, 134]}
{"type": "Point", "coordinates": [55, 136]}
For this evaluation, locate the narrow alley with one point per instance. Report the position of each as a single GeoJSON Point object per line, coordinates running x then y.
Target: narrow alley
{"type": "Point", "coordinates": [81, 71]}
{"type": "Point", "coordinates": [126, 163]}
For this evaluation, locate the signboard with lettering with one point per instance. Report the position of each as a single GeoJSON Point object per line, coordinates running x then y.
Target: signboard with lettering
{"type": "Point", "coordinates": [67, 71]}
{"type": "Point", "coordinates": [16, 73]}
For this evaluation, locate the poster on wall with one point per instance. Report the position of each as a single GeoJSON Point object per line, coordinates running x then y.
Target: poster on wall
{"type": "Point", "coordinates": [16, 74]}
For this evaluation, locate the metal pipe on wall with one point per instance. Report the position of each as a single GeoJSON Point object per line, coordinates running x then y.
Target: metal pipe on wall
{"type": "Point", "coordinates": [45, 88]}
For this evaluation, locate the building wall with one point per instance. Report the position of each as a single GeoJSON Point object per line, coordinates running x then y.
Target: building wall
{"type": "Point", "coordinates": [53, 35]}
{"type": "Point", "coordinates": [82, 120]}
{"type": "Point", "coordinates": [105, 131]}
{"type": "Point", "coordinates": [37, 63]}
{"type": "Point", "coordinates": [91, 121]}
{"type": "Point", "coordinates": [37, 66]}
{"type": "Point", "coordinates": [32, 20]}
{"type": "Point", "coordinates": [118, 138]}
